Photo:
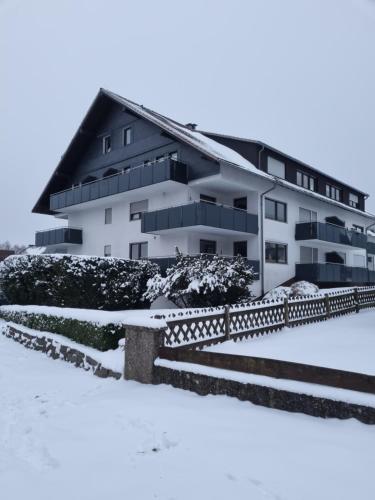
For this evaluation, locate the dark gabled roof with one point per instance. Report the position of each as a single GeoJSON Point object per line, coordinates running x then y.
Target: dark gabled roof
{"type": "Point", "coordinates": [263, 144]}
{"type": "Point", "coordinates": [198, 141]}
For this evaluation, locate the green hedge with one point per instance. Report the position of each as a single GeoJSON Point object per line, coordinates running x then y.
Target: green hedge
{"type": "Point", "coordinates": [101, 337]}
{"type": "Point", "coordinates": [84, 282]}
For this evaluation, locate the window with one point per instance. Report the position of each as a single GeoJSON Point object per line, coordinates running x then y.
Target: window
{"type": "Point", "coordinates": [336, 257]}
{"type": "Point", "coordinates": [359, 229]}
{"type": "Point", "coordinates": [173, 155]}
{"type": "Point", "coordinates": [305, 180]}
{"type": "Point", "coordinates": [276, 253]}
{"type": "Point", "coordinates": [276, 167]}
{"type": "Point", "coordinates": [306, 215]}
{"type": "Point", "coordinates": [209, 199]}
{"type": "Point", "coordinates": [207, 246]}
{"type": "Point", "coordinates": [371, 262]}
{"type": "Point", "coordinates": [240, 248]}
{"type": "Point", "coordinates": [275, 210]}
{"type": "Point", "coordinates": [106, 144]}
{"type": "Point", "coordinates": [333, 192]}
{"type": "Point", "coordinates": [108, 216]}
{"type": "Point", "coordinates": [359, 260]}
{"type": "Point", "coordinates": [107, 250]}
{"type": "Point", "coordinates": [308, 255]}
{"type": "Point", "coordinates": [137, 208]}
{"type": "Point", "coordinates": [138, 250]}
{"type": "Point", "coordinates": [353, 200]}
{"type": "Point", "coordinates": [127, 136]}
{"type": "Point", "coordinates": [240, 203]}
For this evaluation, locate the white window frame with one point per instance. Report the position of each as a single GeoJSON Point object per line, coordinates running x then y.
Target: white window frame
{"type": "Point", "coordinates": [107, 250]}
{"type": "Point", "coordinates": [108, 215]}
{"type": "Point", "coordinates": [311, 216]}
{"type": "Point", "coordinates": [136, 214]}
{"type": "Point", "coordinates": [107, 148]}
{"type": "Point", "coordinates": [353, 202]}
{"type": "Point", "coordinates": [125, 131]}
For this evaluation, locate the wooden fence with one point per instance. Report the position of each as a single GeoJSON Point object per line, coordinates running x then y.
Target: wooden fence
{"type": "Point", "coordinates": [211, 326]}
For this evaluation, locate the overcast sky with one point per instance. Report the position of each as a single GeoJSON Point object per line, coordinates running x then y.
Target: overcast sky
{"type": "Point", "coordinates": [297, 74]}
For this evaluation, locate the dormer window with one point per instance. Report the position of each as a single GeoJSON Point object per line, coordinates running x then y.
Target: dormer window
{"type": "Point", "coordinates": [106, 144]}
{"type": "Point", "coordinates": [127, 136]}
{"type": "Point", "coordinates": [276, 167]}
{"type": "Point", "coordinates": [333, 192]}
{"type": "Point", "coordinates": [353, 200]}
{"type": "Point", "coordinates": [305, 180]}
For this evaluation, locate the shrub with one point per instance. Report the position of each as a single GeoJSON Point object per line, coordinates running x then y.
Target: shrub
{"type": "Point", "coordinates": [102, 337]}
{"type": "Point", "coordinates": [204, 281]}
{"type": "Point", "coordinates": [76, 281]}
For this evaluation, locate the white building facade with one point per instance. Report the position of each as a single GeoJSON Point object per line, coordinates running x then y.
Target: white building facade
{"type": "Point", "coordinates": [134, 184]}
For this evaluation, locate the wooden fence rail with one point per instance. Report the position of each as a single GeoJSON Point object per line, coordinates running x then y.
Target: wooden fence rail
{"type": "Point", "coordinates": [215, 325]}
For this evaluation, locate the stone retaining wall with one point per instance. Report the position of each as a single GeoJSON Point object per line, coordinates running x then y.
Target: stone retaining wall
{"type": "Point", "coordinates": [264, 396]}
{"type": "Point", "coordinates": [56, 350]}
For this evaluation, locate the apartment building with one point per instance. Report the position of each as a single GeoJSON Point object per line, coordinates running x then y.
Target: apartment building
{"type": "Point", "coordinates": [136, 184]}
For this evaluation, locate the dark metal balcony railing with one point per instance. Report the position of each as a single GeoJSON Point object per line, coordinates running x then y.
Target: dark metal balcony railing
{"type": "Point", "coordinates": [67, 235]}
{"type": "Point", "coordinates": [200, 214]}
{"type": "Point", "coordinates": [329, 272]}
{"type": "Point", "coordinates": [371, 247]}
{"type": "Point", "coordinates": [142, 176]}
{"type": "Point", "coordinates": [331, 233]}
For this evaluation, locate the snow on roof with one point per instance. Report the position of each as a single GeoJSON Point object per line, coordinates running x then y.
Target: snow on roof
{"type": "Point", "coordinates": [215, 150]}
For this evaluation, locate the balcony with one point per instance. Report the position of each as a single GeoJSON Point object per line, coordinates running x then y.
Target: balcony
{"type": "Point", "coordinates": [330, 233]}
{"type": "Point", "coordinates": [59, 236]}
{"type": "Point", "coordinates": [329, 272]}
{"type": "Point", "coordinates": [138, 177]}
{"type": "Point", "coordinates": [200, 215]}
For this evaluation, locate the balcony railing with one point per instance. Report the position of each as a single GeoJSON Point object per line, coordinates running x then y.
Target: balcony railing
{"type": "Point", "coordinates": [329, 272]}
{"type": "Point", "coordinates": [200, 214]}
{"type": "Point", "coordinates": [134, 178]}
{"type": "Point", "coordinates": [58, 236]}
{"type": "Point", "coordinates": [329, 232]}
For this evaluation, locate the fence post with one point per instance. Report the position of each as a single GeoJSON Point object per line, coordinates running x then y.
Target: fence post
{"type": "Point", "coordinates": [356, 301]}
{"type": "Point", "coordinates": [227, 322]}
{"type": "Point", "coordinates": [328, 306]}
{"type": "Point", "coordinates": [286, 312]}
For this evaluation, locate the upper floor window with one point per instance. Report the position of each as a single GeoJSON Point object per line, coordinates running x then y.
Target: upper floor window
{"type": "Point", "coordinates": [306, 215]}
{"type": "Point", "coordinates": [107, 144]}
{"type": "Point", "coordinates": [353, 200]}
{"type": "Point", "coordinates": [275, 210]}
{"type": "Point", "coordinates": [276, 167]}
{"type": "Point", "coordinates": [127, 136]}
{"type": "Point", "coordinates": [137, 208]}
{"type": "Point", "coordinates": [308, 255]}
{"type": "Point", "coordinates": [240, 203]}
{"type": "Point", "coordinates": [108, 216]}
{"type": "Point", "coordinates": [107, 250]}
{"type": "Point", "coordinates": [333, 192]}
{"type": "Point", "coordinates": [305, 180]}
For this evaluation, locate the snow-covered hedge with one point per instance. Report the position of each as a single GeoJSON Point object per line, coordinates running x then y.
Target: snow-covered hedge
{"type": "Point", "coordinates": [204, 281]}
{"type": "Point", "coordinates": [298, 289]}
{"type": "Point", "coordinates": [89, 333]}
{"type": "Point", "coordinates": [76, 281]}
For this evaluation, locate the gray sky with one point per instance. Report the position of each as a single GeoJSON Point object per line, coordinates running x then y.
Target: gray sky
{"type": "Point", "coordinates": [297, 74]}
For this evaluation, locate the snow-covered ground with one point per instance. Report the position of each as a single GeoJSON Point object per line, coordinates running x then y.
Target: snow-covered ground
{"type": "Point", "coordinates": [345, 343]}
{"type": "Point", "coordinates": [65, 434]}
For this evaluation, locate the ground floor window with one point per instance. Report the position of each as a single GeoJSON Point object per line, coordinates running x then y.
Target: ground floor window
{"type": "Point", "coordinates": [240, 248]}
{"type": "Point", "coordinates": [107, 250]}
{"type": "Point", "coordinates": [138, 250]}
{"type": "Point", "coordinates": [276, 253]}
{"type": "Point", "coordinates": [207, 246]}
{"type": "Point", "coordinates": [308, 255]}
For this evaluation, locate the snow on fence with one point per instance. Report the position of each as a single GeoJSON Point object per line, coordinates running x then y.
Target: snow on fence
{"type": "Point", "coordinates": [237, 322]}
